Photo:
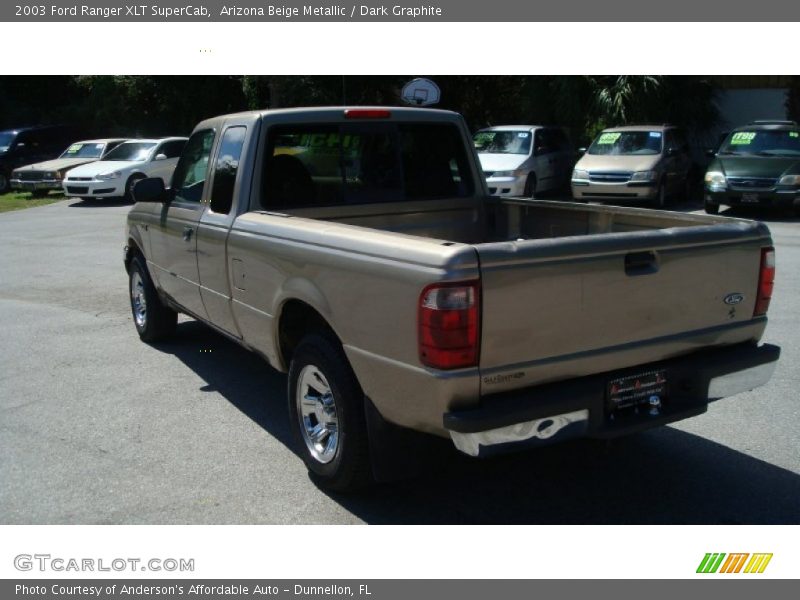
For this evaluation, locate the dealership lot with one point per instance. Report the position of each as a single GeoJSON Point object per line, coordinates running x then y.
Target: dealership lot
{"type": "Point", "coordinates": [98, 427]}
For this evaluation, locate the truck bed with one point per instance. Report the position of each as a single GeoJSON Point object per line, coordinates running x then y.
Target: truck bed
{"type": "Point", "coordinates": [570, 289]}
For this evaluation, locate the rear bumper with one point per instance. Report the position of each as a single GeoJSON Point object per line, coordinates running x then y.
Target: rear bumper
{"type": "Point", "coordinates": [578, 408]}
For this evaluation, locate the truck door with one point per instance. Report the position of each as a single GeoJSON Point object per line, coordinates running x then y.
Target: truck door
{"type": "Point", "coordinates": [212, 234]}
{"type": "Point", "coordinates": [173, 240]}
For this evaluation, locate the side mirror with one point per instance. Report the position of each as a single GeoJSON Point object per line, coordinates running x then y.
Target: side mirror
{"type": "Point", "coordinates": [710, 152]}
{"type": "Point", "coordinates": [672, 152]}
{"type": "Point", "coordinates": [581, 151]}
{"type": "Point", "coordinates": [160, 157]}
{"type": "Point", "coordinates": [149, 190]}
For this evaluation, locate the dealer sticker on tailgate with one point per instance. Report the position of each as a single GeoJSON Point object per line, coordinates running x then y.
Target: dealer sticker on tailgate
{"type": "Point", "coordinates": [636, 389]}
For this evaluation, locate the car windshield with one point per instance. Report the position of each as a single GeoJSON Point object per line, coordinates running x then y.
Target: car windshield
{"type": "Point", "coordinates": [84, 150]}
{"type": "Point", "coordinates": [131, 151]}
{"type": "Point", "coordinates": [762, 143]}
{"type": "Point", "coordinates": [627, 143]}
{"type": "Point", "coordinates": [6, 139]}
{"type": "Point", "coordinates": [502, 142]}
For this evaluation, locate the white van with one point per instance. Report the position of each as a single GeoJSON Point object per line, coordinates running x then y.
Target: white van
{"type": "Point", "coordinates": [524, 160]}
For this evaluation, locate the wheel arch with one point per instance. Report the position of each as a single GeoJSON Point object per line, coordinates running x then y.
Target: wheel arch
{"type": "Point", "coordinates": [296, 319]}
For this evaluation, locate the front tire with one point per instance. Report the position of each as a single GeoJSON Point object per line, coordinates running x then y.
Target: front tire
{"type": "Point", "coordinates": [153, 320]}
{"type": "Point", "coordinates": [711, 209]}
{"type": "Point", "coordinates": [661, 196]}
{"type": "Point", "coordinates": [326, 411]}
{"type": "Point", "coordinates": [4, 185]}
{"type": "Point", "coordinates": [530, 187]}
{"type": "Point", "coordinates": [128, 197]}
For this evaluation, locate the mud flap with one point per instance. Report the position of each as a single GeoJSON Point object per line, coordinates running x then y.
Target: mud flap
{"type": "Point", "coordinates": [398, 453]}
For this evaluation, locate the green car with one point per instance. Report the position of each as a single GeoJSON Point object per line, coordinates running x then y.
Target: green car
{"type": "Point", "coordinates": [756, 165]}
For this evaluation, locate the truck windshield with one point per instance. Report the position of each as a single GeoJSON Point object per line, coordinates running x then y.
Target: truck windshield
{"type": "Point", "coordinates": [138, 151]}
{"type": "Point", "coordinates": [6, 139]}
{"type": "Point", "coordinates": [503, 142]}
{"type": "Point", "coordinates": [762, 143]}
{"type": "Point", "coordinates": [329, 165]}
{"type": "Point", "coordinates": [82, 150]}
{"type": "Point", "coordinates": [627, 143]}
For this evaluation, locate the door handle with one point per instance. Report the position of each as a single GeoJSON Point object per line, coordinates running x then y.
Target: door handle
{"type": "Point", "coordinates": [187, 233]}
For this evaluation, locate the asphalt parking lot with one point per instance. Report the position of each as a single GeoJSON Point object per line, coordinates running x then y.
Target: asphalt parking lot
{"type": "Point", "coordinates": [98, 427]}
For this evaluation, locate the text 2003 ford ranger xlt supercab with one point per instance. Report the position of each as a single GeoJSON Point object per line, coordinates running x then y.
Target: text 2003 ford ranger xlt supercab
{"type": "Point", "coordinates": [358, 249]}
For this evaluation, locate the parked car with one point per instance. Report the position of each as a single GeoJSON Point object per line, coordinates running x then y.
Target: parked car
{"type": "Point", "coordinates": [634, 163]}
{"type": "Point", "coordinates": [756, 165]}
{"type": "Point", "coordinates": [358, 249]}
{"type": "Point", "coordinates": [39, 178]}
{"type": "Point", "coordinates": [523, 160]}
{"type": "Point", "coordinates": [115, 175]}
{"type": "Point", "coordinates": [28, 145]}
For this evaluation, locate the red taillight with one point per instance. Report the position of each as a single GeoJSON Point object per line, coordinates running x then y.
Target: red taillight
{"type": "Point", "coordinates": [367, 113]}
{"type": "Point", "coordinates": [449, 325]}
{"type": "Point", "coordinates": [766, 279]}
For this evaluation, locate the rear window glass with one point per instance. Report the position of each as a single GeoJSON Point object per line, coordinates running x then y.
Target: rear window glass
{"type": "Point", "coordinates": [329, 165]}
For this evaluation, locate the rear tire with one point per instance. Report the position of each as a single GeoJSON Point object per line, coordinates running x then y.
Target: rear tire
{"type": "Point", "coordinates": [326, 412]}
{"type": "Point", "coordinates": [4, 185]}
{"type": "Point", "coordinates": [153, 320]}
{"type": "Point", "coordinates": [711, 209]}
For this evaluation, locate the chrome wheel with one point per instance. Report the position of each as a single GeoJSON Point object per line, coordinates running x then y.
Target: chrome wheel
{"type": "Point", "coordinates": [316, 410]}
{"type": "Point", "coordinates": [138, 299]}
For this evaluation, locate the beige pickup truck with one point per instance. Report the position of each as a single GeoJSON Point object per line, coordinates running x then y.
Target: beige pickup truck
{"type": "Point", "coordinates": [358, 250]}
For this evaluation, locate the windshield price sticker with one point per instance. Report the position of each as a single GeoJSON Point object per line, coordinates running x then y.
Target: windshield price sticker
{"type": "Point", "coordinates": [73, 149]}
{"type": "Point", "coordinates": [609, 138]}
{"type": "Point", "coordinates": [743, 137]}
{"type": "Point", "coordinates": [794, 134]}
{"type": "Point", "coordinates": [655, 134]}
{"type": "Point", "coordinates": [522, 134]}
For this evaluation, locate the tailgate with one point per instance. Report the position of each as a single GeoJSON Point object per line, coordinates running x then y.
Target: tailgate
{"type": "Point", "coordinates": [568, 307]}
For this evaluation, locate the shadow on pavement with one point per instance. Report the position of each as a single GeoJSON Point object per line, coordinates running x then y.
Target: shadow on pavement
{"type": "Point", "coordinates": [662, 476]}
{"type": "Point", "coordinates": [93, 203]}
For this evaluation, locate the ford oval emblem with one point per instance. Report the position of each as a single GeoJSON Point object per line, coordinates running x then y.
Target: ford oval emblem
{"type": "Point", "coordinates": [733, 298]}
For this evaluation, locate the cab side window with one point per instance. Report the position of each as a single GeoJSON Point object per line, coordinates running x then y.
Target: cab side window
{"type": "Point", "coordinates": [191, 171]}
{"type": "Point", "coordinates": [226, 168]}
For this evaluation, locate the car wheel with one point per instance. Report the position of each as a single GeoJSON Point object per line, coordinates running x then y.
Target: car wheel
{"type": "Point", "coordinates": [153, 320]}
{"type": "Point", "coordinates": [326, 408]}
{"type": "Point", "coordinates": [711, 209]}
{"type": "Point", "coordinates": [129, 186]}
{"type": "Point", "coordinates": [661, 196]}
{"type": "Point", "coordinates": [530, 186]}
{"type": "Point", "coordinates": [3, 183]}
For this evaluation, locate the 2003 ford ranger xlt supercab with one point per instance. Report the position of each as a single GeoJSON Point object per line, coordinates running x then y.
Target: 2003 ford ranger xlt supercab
{"type": "Point", "coordinates": [358, 250]}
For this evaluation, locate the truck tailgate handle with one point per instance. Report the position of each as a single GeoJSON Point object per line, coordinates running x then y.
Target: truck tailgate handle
{"type": "Point", "coordinates": [641, 263]}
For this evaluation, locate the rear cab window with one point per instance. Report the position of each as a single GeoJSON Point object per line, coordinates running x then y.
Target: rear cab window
{"type": "Point", "coordinates": [345, 164]}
